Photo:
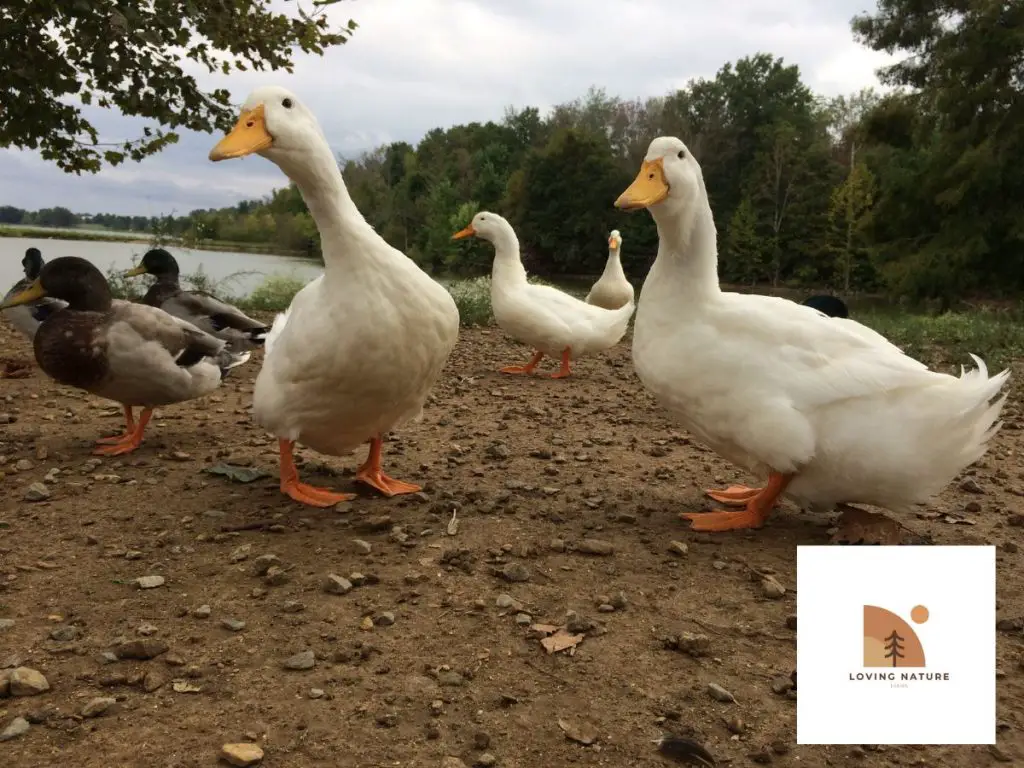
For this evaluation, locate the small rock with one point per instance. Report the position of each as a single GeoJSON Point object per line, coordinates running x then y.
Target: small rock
{"type": "Point", "coordinates": [141, 649]}
{"type": "Point", "coordinates": [596, 547]}
{"type": "Point", "coordinates": [27, 682]}
{"type": "Point", "coordinates": [771, 588]}
{"type": "Point", "coordinates": [524, 619]}
{"type": "Point", "coordinates": [300, 661]}
{"type": "Point", "coordinates": [453, 762]}
{"type": "Point", "coordinates": [970, 485]}
{"type": "Point", "coordinates": [17, 727]}
{"type": "Point", "coordinates": [366, 624]}
{"type": "Point", "coordinates": [146, 629]}
{"type": "Point", "coordinates": [97, 707]}
{"type": "Point", "coordinates": [481, 741]}
{"type": "Point", "coordinates": [202, 612]}
{"type": "Point", "coordinates": [316, 693]}
{"type": "Point", "coordinates": [386, 619]}
{"type": "Point", "coordinates": [618, 601]}
{"type": "Point", "coordinates": [606, 608]}
{"type": "Point", "coordinates": [336, 585]}
{"type": "Point", "coordinates": [694, 644]}
{"type": "Point", "coordinates": [133, 554]}
{"type": "Point", "coordinates": [293, 606]}
{"type": "Point", "coordinates": [514, 572]}
{"type": "Point", "coordinates": [557, 545]}
{"type": "Point", "coordinates": [262, 564]}
{"type": "Point", "coordinates": [781, 685]}
{"type": "Point", "coordinates": [486, 760]}
{"type": "Point", "coordinates": [505, 602]}
{"type": "Point", "coordinates": [233, 625]}
{"type": "Point", "coordinates": [153, 681]}
{"type": "Point", "coordinates": [65, 634]}
{"type": "Point", "coordinates": [761, 756]}
{"type": "Point", "coordinates": [362, 547]}
{"type": "Point", "coordinates": [276, 576]}
{"type": "Point", "coordinates": [791, 622]}
{"type": "Point", "coordinates": [241, 553]}
{"type": "Point", "coordinates": [736, 725]}
{"type": "Point", "coordinates": [718, 693]}
{"type": "Point", "coordinates": [241, 755]}
{"type": "Point", "coordinates": [449, 678]}
{"type": "Point", "coordinates": [6, 624]}
{"type": "Point", "coordinates": [678, 548]}
{"type": "Point", "coordinates": [37, 492]}
{"type": "Point", "coordinates": [150, 582]}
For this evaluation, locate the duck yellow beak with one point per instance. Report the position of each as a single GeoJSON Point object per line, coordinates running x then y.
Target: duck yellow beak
{"type": "Point", "coordinates": [649, 187]}
{"type": "Point", "coordinates": [611, 242]}
{"type": "Point", "coordinates": [33, 293]}
{"type": "Point", "coordinates": [467, 232]}
{"type": "Point", "coordinates": [135, 271]}
{"type": "Point", "coordinates": [249, 135]}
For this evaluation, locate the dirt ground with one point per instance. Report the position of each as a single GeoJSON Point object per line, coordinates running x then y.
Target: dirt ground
{"type": "Point", "coordinates": [445, 666]}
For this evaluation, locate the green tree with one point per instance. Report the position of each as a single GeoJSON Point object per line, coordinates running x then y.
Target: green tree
{"type": "Point", "coordinates": [848, 210]}
{"type": "Point", "coordinates": [948, 217]}
{"type": "Point", "coordinates": [132, 56]}
{"type": "Point", "coordinates": [744, 257]}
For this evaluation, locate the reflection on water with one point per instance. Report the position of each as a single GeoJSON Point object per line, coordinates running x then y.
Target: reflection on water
{"type": "Point", "coordinates": [242, 271]}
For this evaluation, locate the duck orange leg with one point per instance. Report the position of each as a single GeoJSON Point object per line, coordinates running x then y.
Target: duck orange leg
{"type": "Point", "coordinates": [528, 368]}
{"type": "Point", "coordinates": [564, 370]}
{"type": "Point", "coordinates": [756, 509]}
{"type": "Point", "coordinates": [129, 427]}
{"type": "Point", "coordinates": [301, 492]}
{"type": "Point", "coordinates": [128, 442]}
{"type": "Point", "coordinates": [371, 474]}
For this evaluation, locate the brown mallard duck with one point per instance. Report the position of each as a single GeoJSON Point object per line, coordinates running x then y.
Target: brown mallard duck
{"type": "Point", "coordinates": [204, 310]}
{"type": "Point", "coordinates": [131, 353]}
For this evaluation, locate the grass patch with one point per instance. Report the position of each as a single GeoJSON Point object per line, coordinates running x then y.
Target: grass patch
{"type": "Point", "coordinates": [42, 233]}
{"type": "Point", "coordinates": [948, 339]}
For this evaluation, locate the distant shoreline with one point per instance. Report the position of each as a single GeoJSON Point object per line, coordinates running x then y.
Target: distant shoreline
{"type": "Point", "coordinates": [92, 235]}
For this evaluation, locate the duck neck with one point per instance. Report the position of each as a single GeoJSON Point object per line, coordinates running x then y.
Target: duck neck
{"type": "Point", "coordinates": [507, 269]}
{"type": "Point", "coordinates": [168, 278]}
{"type": "Point", "coordinates": [316, 175]}
{"type": "Point", "coordinates": [613, 267]}
{"type": "Point", "coordinates": [687, 262]}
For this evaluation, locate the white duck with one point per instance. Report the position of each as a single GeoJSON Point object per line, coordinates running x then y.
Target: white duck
{"type": "Point", "coordinates": [552, 322]}
{"type": "Point", "coordinates": [612, 290]}
{"type": "Point", "coordinates": [359, 349]}
{"type": "Point", "coordinates": [827, 409]}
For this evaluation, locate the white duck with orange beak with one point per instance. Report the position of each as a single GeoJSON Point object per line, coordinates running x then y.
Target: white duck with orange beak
{"type": "Point", "coordinates": [549, 320]}
{"type": "Point", "coordinates": [826, 410]}
{"type": "Point", "coordinates": [612, 290]}
{"type": "Point", "coordinates": [360, 348]}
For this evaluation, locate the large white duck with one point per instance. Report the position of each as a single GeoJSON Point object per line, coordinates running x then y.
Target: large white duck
{"type": "Point", "coordinates": [824, 408]}
{"type": "Point", "coordinates": [360, 347]}
{"type": "Point", "coordinates": [552, 322]}
{"type": "Point", "coordinates": [612, 290]}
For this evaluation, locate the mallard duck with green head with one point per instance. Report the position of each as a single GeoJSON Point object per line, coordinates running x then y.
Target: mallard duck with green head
{"type": "Point", "coordinates": [134, 354]}
{"type": "Point", "coordinates": [202, 309]}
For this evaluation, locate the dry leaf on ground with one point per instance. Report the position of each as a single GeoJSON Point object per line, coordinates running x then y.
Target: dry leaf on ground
{"type": "Point", "coordinates": [859, 526]}
{"type": "Point", "coordinates": [579, 731]}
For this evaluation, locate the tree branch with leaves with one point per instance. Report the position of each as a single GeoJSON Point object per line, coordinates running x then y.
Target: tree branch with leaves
{"type": "Point", "coordinates": [134, 56]}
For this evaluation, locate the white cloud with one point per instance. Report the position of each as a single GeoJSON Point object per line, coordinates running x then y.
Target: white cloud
{"type": "Point", "coordinates": [413, 66]}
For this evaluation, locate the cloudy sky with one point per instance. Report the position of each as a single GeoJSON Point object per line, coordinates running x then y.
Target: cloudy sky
{"type": "Point", "coordinates": [412, 66]}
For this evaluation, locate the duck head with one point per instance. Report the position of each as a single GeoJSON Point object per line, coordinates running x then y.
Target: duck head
{"type": "Point", "coordinates": [70, 278]}
{"type": "Point", "coordinates": [614, 241]}
{"type": "Point", "coordinates": [487, 226]}
{"type": "Point", "coordinates": [669, 178]}
{"type": "Point", "coordinates": [156, 262]}
{"type": "Point", "coordinates": [32, 262]}
{"type": "Point", "coordinates": [274, 124]}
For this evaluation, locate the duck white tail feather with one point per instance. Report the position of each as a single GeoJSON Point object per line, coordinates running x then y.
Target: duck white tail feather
{"type": "Point", "coordinates": [958, 442]}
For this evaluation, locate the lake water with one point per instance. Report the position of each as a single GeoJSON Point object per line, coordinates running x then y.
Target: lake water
{"type": "Point", "coordinates": [237, 274]}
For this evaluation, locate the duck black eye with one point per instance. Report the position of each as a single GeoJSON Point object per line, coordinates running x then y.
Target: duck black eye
{"type": "Point", "coordinates": [682, 154]}
{"type": "Point", "coordinates": [287, 103]}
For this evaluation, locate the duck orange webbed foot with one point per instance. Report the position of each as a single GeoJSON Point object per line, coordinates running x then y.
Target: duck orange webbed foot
{"type": "Point", "coordinates": [372, 475]}
{"type": "Point", "coordinates": [758, 505]}
{"type": "Point", "coordinates": [127, 442]}
{"type": "Point", "coordinates": [528, 368]}
{"type": "Point", "coordinates": [129, 428]}
{"type": "Point", "coordinates": [734, 495]}
{"type": "Point", "coordinates": [302, 492]}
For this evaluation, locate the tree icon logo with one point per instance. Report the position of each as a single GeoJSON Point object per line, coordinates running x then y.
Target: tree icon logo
{"type": "Point", "coordinates": [889, 641]}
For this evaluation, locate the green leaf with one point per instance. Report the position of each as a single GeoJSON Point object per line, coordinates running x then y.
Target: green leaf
{"type": "Point", "coordinates": [238, 474]}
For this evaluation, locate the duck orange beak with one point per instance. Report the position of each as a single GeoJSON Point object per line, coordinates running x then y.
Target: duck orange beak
{"type": "Point", "coordinates": [468, 231]}
{"type": "Point", "coordinates": [649, 188]}
{"type": "Point", "coordinates": [249, 135]}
